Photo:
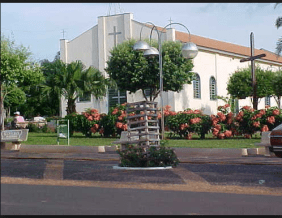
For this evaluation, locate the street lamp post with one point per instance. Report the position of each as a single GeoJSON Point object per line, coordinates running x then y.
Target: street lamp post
{"type": "Point", "coordinates": [189, 51]}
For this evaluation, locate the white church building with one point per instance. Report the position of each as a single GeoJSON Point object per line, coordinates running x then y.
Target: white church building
{"type": "Point", "coordinates": [215, 62]}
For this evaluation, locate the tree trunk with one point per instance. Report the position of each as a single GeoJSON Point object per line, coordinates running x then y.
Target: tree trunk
{"type": "Point", "coordinates": [71, 106]}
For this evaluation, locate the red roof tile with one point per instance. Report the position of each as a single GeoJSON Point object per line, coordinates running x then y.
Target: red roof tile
{"type": "Point", "coordinates": [224, 46]}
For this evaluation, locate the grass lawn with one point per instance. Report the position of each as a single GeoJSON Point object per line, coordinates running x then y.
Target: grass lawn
{"type": "Point", "coordinates": [96, 140]}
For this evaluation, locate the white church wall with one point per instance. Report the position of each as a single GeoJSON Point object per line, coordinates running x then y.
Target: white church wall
{"type": "Point", "coordinates": [93, 48]}
{"type": "Point", "coordinates": [86, 52]}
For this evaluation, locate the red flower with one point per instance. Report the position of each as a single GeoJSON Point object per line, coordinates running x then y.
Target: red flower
{"type": "Point", "coordinates": [262, 112]}
{"type": "Point", "coordinates": [215, 132]}
{"type": "Point", "coordinates": [197, 111]}
{"type": "Point", "coordinates": [256, 124]}
{"type": "Point", "coordinates": [247, 136]}
{"type": "Point", "coordinates": [270, 120]}
{"type": "Point", "coordinates": [115, 111]}
{"type": "Point", "coordinates": [124, 127]}
{"type": "Point", "coordinates": [226, 105]}
{"type": "Point", "coordinates": [218, 126]}
{"type": "Point", "coordinates": [93, 130]}
{"type": "Point", "coordinates": [195, 120]}
{"type": "Point", "coordinates": [172, 113]}
{"type": "Point", "coordinates": [276, 112]}
{"type": "Point", "coordinates": [228, 133]}
{"type": "Point", "coordinates": [188, 112]}
{"type": "Point", "coordinates": [181, 127]}
{"type": "Point", "coordinates": [119, 125]}
{"type": "Point", "coordinates": [94, 111]}
{"type": "Point", "coordinates": [221, 116]}
{"type": "Point", "coordinates": [230, 115]}
{"type": "Point", "coordinates": [254, 117]}
{"type": "Point", "coordinates": [264, 128]}
{"type": "Point", "coordinates": [90, 118]}
{"type": "Point", "coordinates": [229, 121]}
{"type": "Point", "coordinates": [267, 106]}
{"type": "Point", "coordinates": [221, 136]}
{"type": "Point", "coordinates": [189, 136]}
{"type": "Point", "coordinates": [247, 107]}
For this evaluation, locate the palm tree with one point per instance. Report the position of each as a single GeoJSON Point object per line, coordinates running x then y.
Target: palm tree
{"type": "Point", "coordinates": [72, 80]}
{"type": "Point", "coordinates": [278, 24]}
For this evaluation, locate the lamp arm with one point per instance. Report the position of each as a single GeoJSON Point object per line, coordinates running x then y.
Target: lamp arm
{"type": "Point", "coordinates": [178, 24]}
{"type": "Point", "coordinates": [143, 26]}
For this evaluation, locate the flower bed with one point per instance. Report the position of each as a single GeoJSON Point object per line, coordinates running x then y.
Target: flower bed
{"type": "Point", "coordinates": [185, 123]}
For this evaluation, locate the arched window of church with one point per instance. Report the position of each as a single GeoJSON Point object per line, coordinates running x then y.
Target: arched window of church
{"type": "Point", "coordinates": [197, 86]}
{"type": "Point", "coordinates": [267, 100]}
{"type": "Point", "coordinates": [213, 91]}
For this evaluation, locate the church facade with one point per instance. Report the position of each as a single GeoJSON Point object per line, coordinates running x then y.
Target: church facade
{"type": "Point", "coordinates": [214, 64]}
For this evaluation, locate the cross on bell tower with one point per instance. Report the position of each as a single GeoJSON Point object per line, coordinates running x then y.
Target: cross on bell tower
{"type": "Point", "coordinates": [115, 33]}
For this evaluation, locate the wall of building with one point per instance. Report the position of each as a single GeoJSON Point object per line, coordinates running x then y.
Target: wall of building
{"type": "Point", "coordinates": [93, 48]}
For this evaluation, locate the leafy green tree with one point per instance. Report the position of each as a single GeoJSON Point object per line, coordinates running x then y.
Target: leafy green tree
{"type": "Point", "coordinates": [240, 83]}
{"type": "Point", "coordinates": [15, 97]}
{"type": "Point", "coordinates": [17, 71]}
{"type": "Point", "coordinates": [71, 80]}
{"type": "Point", "coordinates": [277, 87]}
{"type": "Point", "coordinates": [132, 71]}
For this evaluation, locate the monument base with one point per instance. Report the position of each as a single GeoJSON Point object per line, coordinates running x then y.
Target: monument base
{"type": "Point", "coordinates": [142, 168]}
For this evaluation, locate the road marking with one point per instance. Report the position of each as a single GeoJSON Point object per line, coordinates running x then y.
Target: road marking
{"type": "Point", "coordinates": [190, 187]}
{"type": "Point", "coordinates": [54, 169]}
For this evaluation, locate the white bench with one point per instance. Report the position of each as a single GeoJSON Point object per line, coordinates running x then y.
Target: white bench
{"type": "Point", "coordinates": [15, 136]}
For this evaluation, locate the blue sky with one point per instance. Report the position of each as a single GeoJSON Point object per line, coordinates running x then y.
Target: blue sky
{"type": "Point", "coordinates": [39, 26]}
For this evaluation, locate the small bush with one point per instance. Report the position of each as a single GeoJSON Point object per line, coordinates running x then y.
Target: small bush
{"type": "Point", "coordinates": [135, 156]}
{"type": "Point", "coordinates": [33, 128]}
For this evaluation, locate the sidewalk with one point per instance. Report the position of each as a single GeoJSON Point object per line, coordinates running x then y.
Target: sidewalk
{"type": "Point", "coordinates": [185, 155]}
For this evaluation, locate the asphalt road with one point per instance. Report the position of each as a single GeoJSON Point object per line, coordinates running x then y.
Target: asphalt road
{"type": "Point", "coordinates": [19, 199]}
{"type": "Point", "coordinates": [223, 174]}
{"type": "Point", "coordinates": [75, 187]}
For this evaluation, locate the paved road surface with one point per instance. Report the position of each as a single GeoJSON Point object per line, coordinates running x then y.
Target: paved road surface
{"type": "Point", "coordinates": [19, 199]}
{"type": "Point", "coordinates": [58, 186]}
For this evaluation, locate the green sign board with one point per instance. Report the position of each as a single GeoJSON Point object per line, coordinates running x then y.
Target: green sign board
{"type": "Point", "coordinates": [63, 130]}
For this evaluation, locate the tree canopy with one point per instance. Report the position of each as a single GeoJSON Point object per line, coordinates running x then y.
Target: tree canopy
{"type": "Point", "coordinates": [17, 70]}
{"type": "Point", "coordinates": [268, 83]}
{"type": "Point", "coordinates": [132, 71]}
{"type": "Point", "coordinates": [72, 80]}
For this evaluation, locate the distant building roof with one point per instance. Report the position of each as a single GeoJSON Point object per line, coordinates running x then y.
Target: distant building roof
{"type": "Point", "coordinates": [224, 46]}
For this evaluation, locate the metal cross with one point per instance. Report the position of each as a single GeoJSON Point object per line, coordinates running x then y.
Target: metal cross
{"type": "Point", "coordinates": [252, 58]}
{"type": "Point", "coordinates": [170, 21]}
{"type": "Point", "coordinates": [63, 33]}
{"type": "Point", "coordinates": [115, 35]}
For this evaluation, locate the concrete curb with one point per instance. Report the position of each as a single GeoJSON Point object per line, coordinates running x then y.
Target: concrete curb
{"type": "Point", "coordinates": [64, 149]}
{"type": "Point", "coordinates": [142, 168]}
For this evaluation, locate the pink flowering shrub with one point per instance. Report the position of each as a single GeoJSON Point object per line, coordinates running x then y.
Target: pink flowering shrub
{"type": "Point", "coordinates": [250, 121]}
{"type": "Point", "coordinates": [187, 122]}
{"type": "Point", "coordinates": [87, 122]}
{"type": "Point", "coordinates": [184, 123]}
{"type": "Point", "coordinates": [114, 122]}
{"type": "Point", "coordinates": [222, 123]}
